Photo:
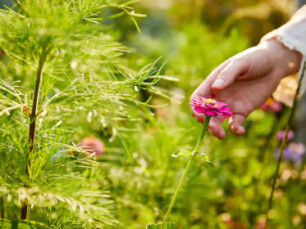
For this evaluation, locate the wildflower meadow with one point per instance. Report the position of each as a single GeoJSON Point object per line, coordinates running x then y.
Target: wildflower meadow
{"type": "Point", "coordinates": [97, 126]}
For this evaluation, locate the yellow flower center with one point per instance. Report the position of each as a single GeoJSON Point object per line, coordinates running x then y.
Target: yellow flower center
{"type": "Point", "coordinates": [210, 101]}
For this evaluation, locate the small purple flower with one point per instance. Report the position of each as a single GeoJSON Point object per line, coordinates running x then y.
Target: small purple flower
{"type": "Point", "coordinates": [281, 135]}
{"type": "Point", "coordinates": [294, 152]}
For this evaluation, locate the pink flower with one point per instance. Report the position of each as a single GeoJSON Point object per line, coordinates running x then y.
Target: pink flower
{"type": "Point", "coordinates": [261, 224]}
{"type": "Point", "coordinates": [211, 107]}
{"type": "Point", "coordinates": [93, 146]}
{"type": "Point", "coordinates": [271, 105]}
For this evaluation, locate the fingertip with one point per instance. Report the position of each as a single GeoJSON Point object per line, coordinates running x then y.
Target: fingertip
{"type": "Point", "coordinates": [217, 131]}
{"type": "Point", "coordinates": [212, 125]}
{"type": "Point", "coordinates": [218, 84]}
{"type": "Point", "coordinates": [222, 134]}
{"type": "Point", "coordinates": [237, 130]}
{"type": "Point", "coordinates": [240, 130]}
{"type": "Point", "coordinates": [236, 124]}
{"type": "Point", "coordinates": [212, 129]}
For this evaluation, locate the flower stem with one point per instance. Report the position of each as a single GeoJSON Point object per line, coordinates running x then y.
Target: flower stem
{"type": "Point", "coordinates": [194, 155]}
{"type": "Point", "coordinates": [32, 126]}
{"type": "Point", "coordinates": [204, 130]}
{"type": "Point", "coordinates": [285, 140]}
{"type": "Point", "coordinates": [2, 207]}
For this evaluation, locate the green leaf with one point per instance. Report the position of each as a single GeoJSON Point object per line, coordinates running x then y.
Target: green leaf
{"type": "Point", "coordinates": [136, 24]}
{"type": "Point", "coordinates": [182, 153]}
{"type": "Point", "coordinates": [204, 158]}
{"type": "Point", "coordinates": [168, 225]}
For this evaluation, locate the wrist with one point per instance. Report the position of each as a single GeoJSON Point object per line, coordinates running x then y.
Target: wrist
{"type": "Point", "coordinates": [286, 61]}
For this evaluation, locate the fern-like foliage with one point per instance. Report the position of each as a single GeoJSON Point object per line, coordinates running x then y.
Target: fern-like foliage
{"type": "Point", "coordinates": [61, 62]}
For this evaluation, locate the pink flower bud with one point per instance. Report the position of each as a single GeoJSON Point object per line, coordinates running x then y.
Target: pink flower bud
{"type": "Point", "coordinates": [271, 106]}
{"type": "Point", "coordinates": [93, 145]}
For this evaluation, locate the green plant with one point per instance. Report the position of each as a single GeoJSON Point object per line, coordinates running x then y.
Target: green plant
{"type": "Point", "coordinates": [62, 71]}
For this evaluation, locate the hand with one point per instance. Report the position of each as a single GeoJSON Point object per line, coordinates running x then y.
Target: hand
{"type": "Point", "coordinates": [245, 81]}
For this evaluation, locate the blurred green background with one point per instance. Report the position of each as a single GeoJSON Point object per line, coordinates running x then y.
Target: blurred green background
{"type": "Point", "coordinates": [189, 38]}
{"type": "Point", "coordinates": [195, 36]}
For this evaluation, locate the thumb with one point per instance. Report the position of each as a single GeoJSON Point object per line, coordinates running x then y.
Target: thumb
{"type": "Point", "coordinates": [237, 67]}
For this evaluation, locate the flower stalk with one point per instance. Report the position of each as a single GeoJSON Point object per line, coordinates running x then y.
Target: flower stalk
{"type": "Point", "coordinates": [285, 139]}
{"type": "Point", "coordinates": [190, 162]}
{"type": "Point", "coordinates": [32, 125]}
{"type": "Point", "coordinates": [2, 207]}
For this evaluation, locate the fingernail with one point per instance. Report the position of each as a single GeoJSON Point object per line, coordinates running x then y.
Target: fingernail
{"type": "Point", "coordinates": [218, 83]}
{"type": "Point", "coordinates": [240, 131]}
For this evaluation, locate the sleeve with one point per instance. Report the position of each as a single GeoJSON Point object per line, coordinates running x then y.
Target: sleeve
{"type": "Point", "coordinates": [293, 33]}
{"type": "Point", "coordinates": [293, 36]}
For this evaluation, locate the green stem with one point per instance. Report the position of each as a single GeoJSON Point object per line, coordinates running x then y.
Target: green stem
{"type": "Point", "coordinates": [194, 155]}
{"type": "Point", "coordinates": [204, 130]}
{"type": "Point", "coordinates": [285, 140]}
{"type": "Point", "coordinates": [263, 151]}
